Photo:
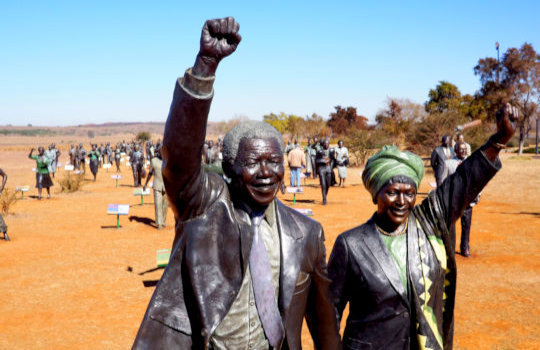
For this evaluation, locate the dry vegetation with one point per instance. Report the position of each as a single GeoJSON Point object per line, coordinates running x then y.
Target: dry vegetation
{"type": "Point", "coordinates": [7, 199]}
{"type": "Point", "coordinates": [71, 182]}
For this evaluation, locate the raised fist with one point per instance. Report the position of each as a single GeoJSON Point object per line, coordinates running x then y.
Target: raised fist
{"type": "Point", "coordinates": [219, 38]}
{"type": "Point", "coordinates": [506, 116]}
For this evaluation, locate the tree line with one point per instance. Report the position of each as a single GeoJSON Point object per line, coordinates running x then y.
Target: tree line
{"type": "Point", "coordinates": [419, 127]}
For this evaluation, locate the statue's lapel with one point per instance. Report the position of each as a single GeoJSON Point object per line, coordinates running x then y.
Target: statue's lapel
{"type": "Point", "coordinates": [383, 258]}
{"type": "Point", "coordinates": [291, 254]}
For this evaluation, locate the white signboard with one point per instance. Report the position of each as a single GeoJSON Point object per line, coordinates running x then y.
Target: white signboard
{"type": "Point", "coordinates": [106, 165]}
{"type": "Point", "coordinates": [118, 209]}
{"type": "Point", "coordinates": [295, 190]}
{"type": "Point", "coordinates": [116, 177]}
{"type": "Point", "coordinates": [141, 192]}
{"type": "Point", "coordinates": [69, 167]}
{"type": "Point", "coordinates": [307, 212]}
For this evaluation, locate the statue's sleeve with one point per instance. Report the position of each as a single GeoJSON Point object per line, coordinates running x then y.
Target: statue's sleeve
{"type": "Point", "coordinates": [461, 188]}
{"type": "Point", "coordinates": [188, 187]}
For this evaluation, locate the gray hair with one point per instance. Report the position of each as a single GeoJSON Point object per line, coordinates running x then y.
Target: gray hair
{"type": "Point", "coordinates": [248, 130]}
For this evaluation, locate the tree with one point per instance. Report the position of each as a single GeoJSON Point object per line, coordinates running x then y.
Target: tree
{"type": "Point", "coordinates": [315, 125]}
{"type": "Point", "coordinates": [277, 121]}
{"type": "Point", "coordinates": [295, 126]}
{"type": "Point", "coordinates": [91, 134]}
{"type": "Point", "coordinates": [445, 96]}
{"type": "Point", "coordinates": [397, 119]}
{"type": "Point", "coordinates": [514, 79]}
{"type": "Point", "coordinates": [362, 143]}
{"type": "Point", "coordinates": [344, 118]}
{"type": "Point", "coordinates": [143, 136]}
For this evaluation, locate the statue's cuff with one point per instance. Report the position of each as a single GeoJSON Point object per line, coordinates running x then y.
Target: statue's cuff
{"type": "Point", "coordinates": [199, 86]}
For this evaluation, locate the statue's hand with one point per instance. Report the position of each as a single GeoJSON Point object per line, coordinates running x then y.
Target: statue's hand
{"type": "Point", "coordinates": [506, 118]}
{"type": "Point", "coordinates": [219, 39]}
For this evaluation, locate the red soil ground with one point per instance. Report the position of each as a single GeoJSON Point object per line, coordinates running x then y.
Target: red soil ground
{"type": "Point", "coordinates": [70, 280]}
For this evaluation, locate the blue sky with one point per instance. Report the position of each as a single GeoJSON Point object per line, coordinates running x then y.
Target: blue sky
{"type": "Point", "coordinates": [70, 63]}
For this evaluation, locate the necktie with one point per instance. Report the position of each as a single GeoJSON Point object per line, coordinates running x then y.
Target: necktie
{"type": "Point", "coordinates": [263, 288]}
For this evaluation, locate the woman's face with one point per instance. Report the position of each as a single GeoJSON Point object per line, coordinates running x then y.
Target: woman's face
{"type": "Point", "coordinates": [394, 203]}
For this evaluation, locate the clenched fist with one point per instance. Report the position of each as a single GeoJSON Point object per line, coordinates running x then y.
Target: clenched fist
{"type": "Point", "coordinates": [219, 38]}
{"type": "Point", "coordinates": [506, 118]}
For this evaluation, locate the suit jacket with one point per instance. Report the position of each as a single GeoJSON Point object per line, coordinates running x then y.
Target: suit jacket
{"type": "Point", "coordinates": [437, 162]}
{"type": "Point", "coordinates": [382, 315]}
{"type": "Point", "coordinates": [212, 247]}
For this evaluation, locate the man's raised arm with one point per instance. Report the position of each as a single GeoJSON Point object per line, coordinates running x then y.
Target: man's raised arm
{"type": "Point", "coordinates": [186, 125]}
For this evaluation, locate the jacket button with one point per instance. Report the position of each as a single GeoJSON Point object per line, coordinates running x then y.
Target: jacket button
{"type": "Point", "coordinates": [204, 332]}
{"type": "Point", "coordinates": [405, 314]}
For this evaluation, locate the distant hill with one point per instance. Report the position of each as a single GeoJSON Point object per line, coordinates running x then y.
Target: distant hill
{"type": "Point", "coordinates": [105, 132]}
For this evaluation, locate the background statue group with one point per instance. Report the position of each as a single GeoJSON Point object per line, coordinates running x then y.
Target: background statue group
{"type": "Point", "coordinates": [245, 269]}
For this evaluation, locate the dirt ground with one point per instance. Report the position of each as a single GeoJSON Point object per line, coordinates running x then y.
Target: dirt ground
{"type": "Point", "coordinates": [70, 280]}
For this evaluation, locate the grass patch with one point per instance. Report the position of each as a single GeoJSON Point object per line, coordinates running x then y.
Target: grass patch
{"type": "Point", "coordinates": [520, 158]}
{"type": "Point", "coordinates": [7, 200]}
{"type": "Point", "coordinates": [71, 182]}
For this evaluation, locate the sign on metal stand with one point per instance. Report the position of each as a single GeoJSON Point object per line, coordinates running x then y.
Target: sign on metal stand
{"type": "Point", "coordinates": [118, 209]}
{"type": "Point", "coordinates": [140, 192]}
{"type": "Point", "coordinates": [294, 191]}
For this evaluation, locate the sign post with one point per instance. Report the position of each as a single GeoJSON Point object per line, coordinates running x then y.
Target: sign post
{"type": "Point", "coordinates": [303, 176]}
{"type": "Point", "coordinates": [140, 192]}
{"type": "Point", "coordinates": [118, 209]}
{"type": "Point", "coordinates": [162, 257]}
{"type": "Point", "coordinates": [294, 191]}
{"type": "Point", "coordinates": [306, 212]}
{"type": "Point", "coordinates": [116, 177]}
{"type": "Point", "coordinates": [22, 189]}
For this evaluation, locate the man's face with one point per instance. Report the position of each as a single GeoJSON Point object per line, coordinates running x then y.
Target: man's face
{"type": "Point", "coordinates": [326, 144]}
{"type": "Point", "coordinates": [340, 143]}
{"type": "Point", "coordinates": [446, 141]}
{"type": "Point", "coordinates": [259, 170]}
{"type": "Point", "coordinates": [395, 202]}
{"type": "Point", "coordinates": [461, 151]}
{"type": "Point", "coordinates": [210, 143]}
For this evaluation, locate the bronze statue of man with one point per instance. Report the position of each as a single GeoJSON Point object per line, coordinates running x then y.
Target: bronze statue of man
{"type": "Point", "coordinates": [245, 269]}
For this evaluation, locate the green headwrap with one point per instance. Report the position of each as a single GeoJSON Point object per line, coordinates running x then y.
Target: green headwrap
{"type": "Point", "coordinates": [389, 162]}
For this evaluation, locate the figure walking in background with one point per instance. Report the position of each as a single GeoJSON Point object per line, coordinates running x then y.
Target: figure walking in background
{"type": "Point", "coordinates": [296, 161]}
{"type": "Point", "coordinates": [94, 158]}
{"type": "Point", "coordinates": [3, 226]}
{"type": "Point", "coordinates": [342, 161]}
{"type": "Point", "coordinates": [439, 155]}
{"type": "Point", "coordinates": [43, 179]}
{"type": "Point", "coordinates": [117, 157]}
{"type": "Point", "coordinates": [451, 166]}
{"type": "Point", "coordinates": [310, 166]}
{"type": "Point", "coordinates": [52, 153]}
{"type": "Point", "coordinates": [161, 203]}
{"type": "Point", "coordinates": [137, 165]}
{"type": "Point", "coordinates": [81, 158]}
{"type": "Point", "coordinates": [324, 167]}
